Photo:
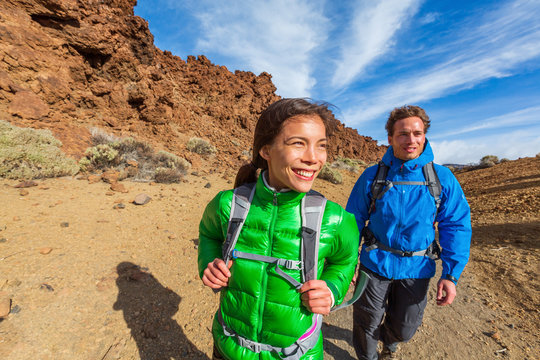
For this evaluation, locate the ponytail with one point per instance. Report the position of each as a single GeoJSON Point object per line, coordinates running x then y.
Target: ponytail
{"type": "Point", "coordinates": [246, 174]}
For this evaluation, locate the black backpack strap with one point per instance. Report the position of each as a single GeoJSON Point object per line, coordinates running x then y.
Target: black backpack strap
{"type": "Point", "coordinates": [434, 184]}
{"type": "Point", "coordinates": [242, 197]}
{"type": "Point", "coordinates": [380, 185]}
{"type": "Point", "coordinates": [312, 209]}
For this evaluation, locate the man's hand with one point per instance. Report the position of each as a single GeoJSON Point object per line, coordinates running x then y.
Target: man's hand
{"type": "Point", "coordinates": [446, 292]}
{"type": "Point", "coordinates": [316, 297]}
{"type": "Point", "coordinates": [217, 274]}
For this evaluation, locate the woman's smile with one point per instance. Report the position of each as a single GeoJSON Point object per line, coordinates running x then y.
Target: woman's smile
{"type": "Point", "coordinates": [297, 154]}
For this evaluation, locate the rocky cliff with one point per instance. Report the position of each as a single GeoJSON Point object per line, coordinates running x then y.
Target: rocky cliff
{"type": "Point", "coordinates": [69, 65]}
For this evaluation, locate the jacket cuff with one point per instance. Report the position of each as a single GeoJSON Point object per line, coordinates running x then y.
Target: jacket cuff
{"type": "Point", "coordinates": [333, 291]}
{"type": "Point", "coordinates": [451, 278]}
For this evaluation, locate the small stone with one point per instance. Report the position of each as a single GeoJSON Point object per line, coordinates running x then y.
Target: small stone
{"type": "Point", "coordinates": [132, 163]}
{"type": "Point", "coordinates": [194, 173]}
{"type": "Point", "coordinates": [23, 192]}
{"type": "Point", "coordinates": [46, 287]}
{"type": "Point", "coordinates": [496, 336]}
{"type": "Point", "coordinates": [118, 187]}
{"type": "Point", "coordinates": [141, 199]}
{"type": "Point", "coordinates": [119, 206]}
{"type": "Point", "coordinates": [16, 309]}
{"type": "Point", "coordinates": [5, 304]}
{"type": "Point", "coordinates": [64, 224]}
{"type": "Point", "coordinates": [109, 193]}
{"type": "Point", "coordinates": [3, 240]}
{"type": "Point", "coordinates": [110, 176]}
{"type": "Point", "coordinates": [208, 185]}
{"type": "Point", "coordinates": [45, 250]}
{"type": "Point", "coordinates": [16, 218]}
{"type": "Point", "coordinates": [25, 184]}
{"type": "Point", "coordinates": [511, 326]}
{"type": "Point", "coordinates": [92, 179]}
{"type": "Point", "coordinates": [172, 236]}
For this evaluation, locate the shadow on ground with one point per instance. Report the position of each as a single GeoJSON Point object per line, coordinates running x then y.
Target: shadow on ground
{"type": "Point", "coordinates": [332, 332]}
{"type": "Point", "coordinates": [148, 309]}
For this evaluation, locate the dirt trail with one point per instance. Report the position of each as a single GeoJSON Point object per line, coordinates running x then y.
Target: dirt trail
{"type": "Point", "coordinates": [122, 283]}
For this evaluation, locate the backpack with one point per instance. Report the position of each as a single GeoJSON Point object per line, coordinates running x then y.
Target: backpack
{"type": "Point", "coordinates": [381, 185]}
{"type": "Point", "coordinates": [312, 209]}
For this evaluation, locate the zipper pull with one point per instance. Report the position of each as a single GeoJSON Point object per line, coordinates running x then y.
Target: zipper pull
{"type": "Point", "coordinates": [275, 199]}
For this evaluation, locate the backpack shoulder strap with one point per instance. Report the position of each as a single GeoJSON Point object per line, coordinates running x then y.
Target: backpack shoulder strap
{"type": "Point", "coordinates": [312, 209]}
{"type": "Point", "coordinates": [378, 185]}
{"type": "Point", "coordinates": [242, 197]}
{"type": "Point", "coordinates": [434, 184]}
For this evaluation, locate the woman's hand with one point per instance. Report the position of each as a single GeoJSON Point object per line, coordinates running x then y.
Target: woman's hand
{"type": "Point", "coordinates": [316, 297]}
{"type": "Point", "coordinates": [217, 274]}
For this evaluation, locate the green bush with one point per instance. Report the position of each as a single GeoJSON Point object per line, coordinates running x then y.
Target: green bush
{"type": "Point", "coordinates": [119, 153]}
{"type": "Point", "coordinates": [32, 154]}
{"type": "Point", "coordinates": [329, 174]}
{"type": "Point", "coordinates": [101, 156]}
{"type": "Point", "coordinates": [489, 160]}
{"type": "Point", "coordinates": [200, 146]}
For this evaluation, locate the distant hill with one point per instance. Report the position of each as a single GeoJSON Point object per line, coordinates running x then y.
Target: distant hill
{"type": "Point", "coordinates": [71, 65]}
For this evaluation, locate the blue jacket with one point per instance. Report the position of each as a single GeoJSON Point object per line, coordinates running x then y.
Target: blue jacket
{"type": "Point", "coordinates": [403, 219]}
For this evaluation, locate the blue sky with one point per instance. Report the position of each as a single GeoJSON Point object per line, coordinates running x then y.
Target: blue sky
{"type": "Point", "coordinates": [474, 66]}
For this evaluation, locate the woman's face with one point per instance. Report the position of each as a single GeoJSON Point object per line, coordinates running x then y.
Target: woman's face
{"type": "Point", "coordinates": [297, 154]}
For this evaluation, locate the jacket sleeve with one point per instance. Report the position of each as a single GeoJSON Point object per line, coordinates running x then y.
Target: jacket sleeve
{"type": "Point", "coordinates": [454, 227]}
{"type": "Point", "coordinates": [211, 233]}
{"type": "Point", "coordinates": [339, 267]}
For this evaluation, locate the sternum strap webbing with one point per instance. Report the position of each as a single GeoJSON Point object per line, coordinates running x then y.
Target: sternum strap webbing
{"type": "Point", "coordinates": [288, 264]}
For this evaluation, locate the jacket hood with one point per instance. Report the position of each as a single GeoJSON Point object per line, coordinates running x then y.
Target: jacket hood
{"type": "Point", "coordinates": [425, 157]}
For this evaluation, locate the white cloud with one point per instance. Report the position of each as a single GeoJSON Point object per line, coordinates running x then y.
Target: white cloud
{"type": "Point", "coordinates": [277, 36]}
{"type": "Point", "coordinates": [430, 18]}
{"type": "Point", "coordinates": [370, 36]}
{"type": "Point", "coordinates": [519, 143]}
{"type": "Point", "coordinates": [520, 118]}
{"type": "Point", "coordinates": [495, 48]}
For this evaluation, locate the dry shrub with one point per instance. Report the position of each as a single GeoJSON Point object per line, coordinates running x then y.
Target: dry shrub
{"type": "Point", "coordinates": [200, 146]}
{"type": "Point", "coordinates": [348, 164]}
{"type": "Point", "coordinates": [489, 161]}
{"type": "Point", "coordinates": [98, 136]}
{"type": "Point", "coordinates": [31, 154]}
{"type": "Point", "coordinates": [329, 174]}
{"type": "Point", "coordinates": [160, 167]}
{"type": "Point", "coordinates": [167, 176]}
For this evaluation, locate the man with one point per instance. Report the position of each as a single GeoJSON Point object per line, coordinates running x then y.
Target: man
{"type": "Point", "coordinates": [398, 228]}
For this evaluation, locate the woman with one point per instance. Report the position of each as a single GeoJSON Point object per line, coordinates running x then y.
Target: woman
{"type": "Point", "coordinates": [261, 315]}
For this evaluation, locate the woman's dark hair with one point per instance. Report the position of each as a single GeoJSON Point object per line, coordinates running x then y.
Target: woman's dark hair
{"type": "Point", "coordinates": [269, 126]}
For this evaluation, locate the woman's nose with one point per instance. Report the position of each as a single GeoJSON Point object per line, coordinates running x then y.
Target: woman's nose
{"type": "Point", "coordinates": [310, 155]}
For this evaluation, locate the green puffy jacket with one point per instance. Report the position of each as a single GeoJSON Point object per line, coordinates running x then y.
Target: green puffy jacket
{"type": "Point", "coordinates": [259, 304]}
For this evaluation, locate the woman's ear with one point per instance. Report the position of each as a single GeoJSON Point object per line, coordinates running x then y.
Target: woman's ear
{"type": "Point", "coordinates": [265, 152]}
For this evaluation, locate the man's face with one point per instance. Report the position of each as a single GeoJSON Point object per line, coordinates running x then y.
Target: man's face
{"type": "Point", "coordinates": [408, 139]}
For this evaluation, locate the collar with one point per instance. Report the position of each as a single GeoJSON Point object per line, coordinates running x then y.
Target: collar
{"type": "Point", "coordinates": [268, 193]}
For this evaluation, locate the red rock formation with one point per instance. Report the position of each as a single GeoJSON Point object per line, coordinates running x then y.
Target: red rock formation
{"type": "Point", "coordinates": [69, 65]}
